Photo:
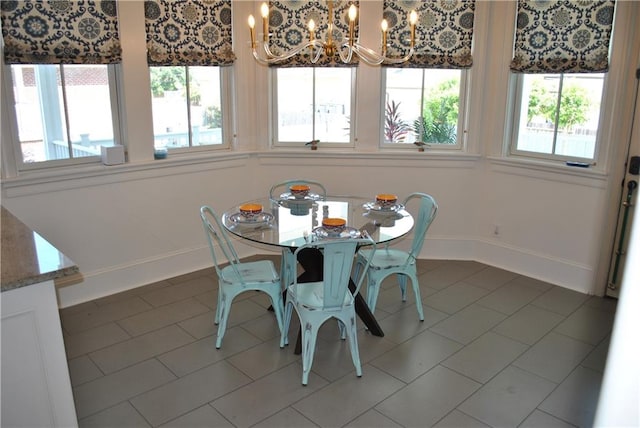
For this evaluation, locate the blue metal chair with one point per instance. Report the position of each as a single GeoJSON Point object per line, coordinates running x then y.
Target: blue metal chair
{"type": "Point", "coordinates": [388, 261]}
{"type": "Point", "coordinates": [237, 277]}
{"type": "Point", "coordinates": [288, 261]}
{"type": "Point", "coordinates": [317, 302]}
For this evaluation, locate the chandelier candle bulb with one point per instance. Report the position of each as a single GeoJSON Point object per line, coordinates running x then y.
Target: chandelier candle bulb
{"type": "Point", "coordinates": [252, 24]}
{"type": "Point", "coordinates": [384, 26]}
{"type": "Point", "coordinates": [353, 13]}
{"type": "Point", "coordinates": [264, 10]}
{"type": "Point", "coordinates": [413, 19]}
{"type": "Point", "coordinates": [312, 29]}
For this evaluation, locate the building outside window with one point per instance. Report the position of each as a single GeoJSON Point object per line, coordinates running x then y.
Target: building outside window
{"type": "Point", "coordinates": [313, 103]}
{"type": "Point", "coordinates": [62, 111]}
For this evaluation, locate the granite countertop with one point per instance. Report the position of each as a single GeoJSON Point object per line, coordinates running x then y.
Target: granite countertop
{"type": "Point", "coordinates": [27, 258]}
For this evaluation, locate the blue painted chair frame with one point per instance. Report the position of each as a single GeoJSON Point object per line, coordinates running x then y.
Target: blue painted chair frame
{"type": "Point", "coordinates": [390, 261]}
{"type": "Point", "coordinates": [235, 277]}
{"type": "Point", "coordinates": [317, 302]}
{"type": "Point", "coordinates": [288, 261]}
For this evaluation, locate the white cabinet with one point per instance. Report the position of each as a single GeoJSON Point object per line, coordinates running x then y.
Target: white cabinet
{"type": "Point", "coordinates": [36, 389]}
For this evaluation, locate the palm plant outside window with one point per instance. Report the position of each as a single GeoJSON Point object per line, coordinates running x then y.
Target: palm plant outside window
{"type": "Point", "coordinates": [423, 105]}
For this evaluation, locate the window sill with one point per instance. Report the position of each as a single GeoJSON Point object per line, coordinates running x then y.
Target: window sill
{"type": "Point", "coordinates": [554, 171]}
{"type": "Point", "coordinates": [411, 158]}
{"type": "Point", "coordinates": [63, 178]}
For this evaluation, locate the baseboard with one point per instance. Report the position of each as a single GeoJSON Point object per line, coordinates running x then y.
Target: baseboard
{"type": "Point", "coordinates": [564, 273]}
{"type": "Point", "coordinates": [101, 283]}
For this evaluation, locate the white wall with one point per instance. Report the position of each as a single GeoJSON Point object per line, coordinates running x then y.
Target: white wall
{"type": "Point", "coordinates": [133, 224]}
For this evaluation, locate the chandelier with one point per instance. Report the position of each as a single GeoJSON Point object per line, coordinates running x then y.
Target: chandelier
{"type": "Point", "coordinates": [343, 51]}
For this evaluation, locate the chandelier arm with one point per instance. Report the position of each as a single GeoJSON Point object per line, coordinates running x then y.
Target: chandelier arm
{"type": "Point", "coordinates": [272, 58]}
{"type": "Point", "coordinates": [315, 58]}
{"type": "Point", "coordinates": [390, 60]}
{"type": "Point", "coordinates": [372, 57]}
{"type": "Point", "coordinates": [345, 59]}
{"type": "Point", "coordinates": [369, 56]}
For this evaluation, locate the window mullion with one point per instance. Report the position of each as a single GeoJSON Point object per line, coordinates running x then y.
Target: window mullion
{"type": "Point", "coordinates": [65, 107]}
{"type": "Point", "coordinates": [313, 104]}
{"type": "Point", "coordinates": [556, 119]}
{"type": "Point", "coordinates": [188, 99]}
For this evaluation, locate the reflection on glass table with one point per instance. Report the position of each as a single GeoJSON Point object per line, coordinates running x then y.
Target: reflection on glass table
{"type": "Point", "coordinates": [290, 222]}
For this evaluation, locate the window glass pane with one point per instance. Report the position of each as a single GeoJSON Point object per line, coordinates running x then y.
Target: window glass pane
{"type": "Point", "coordinates": [180, 123]}
{"type": "Point", "coordinates": [295, 104]}
{"type": "Point", "coordinates": [314, 104]}
{"type": "Point", "coordinates": [62, 111]}
{"type": "Point", "coordinates": [332, 106]}
{"type": "Point", "coordinates": [169, 106]}
{"type": "Point", "coordinates": [571, 129]}
{"type": "Point", "coordinates": [422, 105]}
{"type": "Point", "coordinates": [206, 107]}
{"type": "Point", "coordinates": [88, 106]}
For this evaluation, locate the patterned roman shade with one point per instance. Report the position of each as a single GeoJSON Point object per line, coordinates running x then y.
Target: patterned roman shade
{"type": "Point", "coordinates": [444, 32]}
{"type": "Point", "coordinates": [288, 26]}
{"type": "Point", "coordinates": [188, 32]}
{"type": "Point", "coordinates": [60, 32]}
{"type": "Point", "coordinates": [563, 36]}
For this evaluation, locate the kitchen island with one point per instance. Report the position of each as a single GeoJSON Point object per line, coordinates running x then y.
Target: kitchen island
{"type": "Point", "coordinates": [36, 389]}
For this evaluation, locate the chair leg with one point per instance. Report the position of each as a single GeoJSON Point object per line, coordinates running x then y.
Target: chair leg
{"type": "Point", "coordinates": [278, 308]}
{"type": "Point", "coordinates": [287, 268]}
{"type": "Point", "coordinates": [353, 343]}
{"type": "Point", "coordinates": [223, 307]}
{"type": "Point", "coordinates": [402, 281]}
{"type": "Point", "coordinates": [309, 336]}
{"type": "Point", "coordinates": [416, 291]}
{"type": "Point", "coordinates": [342, 329]}
{"type": "Point", "coordinates": [216, 320]}
{"type": "Point", "coordinates": [373, 289]}
{"type": "Point", "coordinates": [284, 335]}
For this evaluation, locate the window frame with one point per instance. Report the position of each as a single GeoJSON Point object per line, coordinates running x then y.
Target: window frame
{"type": "Point", "coordinates": [513, 120]}
{"type": "Point", "coordinates": [273, 113]}
{"type": "Point", "coordinates": [16, 145]}
{"type": "Point", "coordinates": [462, 127]}
{"type": "Point", "coordinates": [226, 106]}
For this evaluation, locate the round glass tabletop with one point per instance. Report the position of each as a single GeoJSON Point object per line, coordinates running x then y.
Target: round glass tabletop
{"type": "Point", "coordinates": [289, 222]}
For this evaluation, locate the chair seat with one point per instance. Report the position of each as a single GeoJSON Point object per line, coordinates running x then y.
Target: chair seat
{"type": "Point", "coordinates": [261, 271]}
{"type": "Point", "coordinates": [388, 258]}
{"type": "Point", "coordinates": [311, 295]}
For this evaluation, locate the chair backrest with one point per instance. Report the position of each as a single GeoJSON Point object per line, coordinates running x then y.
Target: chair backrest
{"type": "Point", "coordinates": [338, 257]}
{"type": "Point", "coordinates": [278, 188]}
{"type": "Point", "coordinates": [217, 237]}
{"type": "Point", "coordinates": [426, 214]}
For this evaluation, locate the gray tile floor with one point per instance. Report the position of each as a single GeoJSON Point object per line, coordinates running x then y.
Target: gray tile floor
{"type": "Point", "coordinates": [496, 349]}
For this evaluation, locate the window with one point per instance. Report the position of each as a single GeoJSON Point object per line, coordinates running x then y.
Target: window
{"type": "Point", "coordinates": [63, 112]}
{"type": "Point", "coordinates": [557, 115]}
{"type": "Point", "coordinates": [313, 103]}
{"type": "Point", "coordinates": [424, 105]}
{"type": "Point", "coordinates": [187, 106]}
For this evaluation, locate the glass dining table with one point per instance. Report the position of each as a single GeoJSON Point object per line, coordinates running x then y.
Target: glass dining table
{"type": "Point", "coordinates": [289, 222]}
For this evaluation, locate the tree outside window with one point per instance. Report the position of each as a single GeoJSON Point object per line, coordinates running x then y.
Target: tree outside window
{"type": "Point", "coordinates": [422, 105]}
{"type": "Point", "coordinates": [559, 115]}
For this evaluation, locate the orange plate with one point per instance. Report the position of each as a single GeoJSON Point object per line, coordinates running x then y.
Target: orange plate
{"type": "Point", "coordinates": [299, 188]}
{"type": "Point", "coordinates": [386, 197]}
{"type": "Point", "coordinates": [251, 208]}
{"type": "Point", "coordinates": [334, 222]}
